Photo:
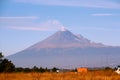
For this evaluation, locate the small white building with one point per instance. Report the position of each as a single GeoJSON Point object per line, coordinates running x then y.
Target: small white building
{"type": "Point", "coordinates": [118, 70]}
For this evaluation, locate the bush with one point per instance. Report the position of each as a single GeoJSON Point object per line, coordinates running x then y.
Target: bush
{"type": "Point", "coordinates": [6, 65]}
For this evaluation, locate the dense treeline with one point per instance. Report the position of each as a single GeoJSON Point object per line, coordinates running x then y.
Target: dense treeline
{"type": "Point", "coordinates": [35, 69]}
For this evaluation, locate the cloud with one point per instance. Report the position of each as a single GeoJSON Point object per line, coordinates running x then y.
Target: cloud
{"type": "Point", "coordinates": [102, 14]}
{"type": "Point", "coordinates": [18, 19]}
{"type": "Point", "coordinates": [75, 3]}
{"type": "Point", "coordinates": [27, 28]}
{"type": "Point", "coordinates": [29, 23]}
{"type": "Point", "coordinates": [100, 29]}
{"type": "Point", "coordinates": [49, 25]}
{"type": "Point", "coordinates": [23, 17]}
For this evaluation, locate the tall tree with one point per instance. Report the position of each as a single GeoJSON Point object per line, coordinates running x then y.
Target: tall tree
{"type": "Point", "coordinates": [1, 55]}
{"type": "Point", "coordinates": [6, 65]}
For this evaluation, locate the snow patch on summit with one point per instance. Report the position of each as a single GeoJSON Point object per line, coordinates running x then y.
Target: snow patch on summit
{"type": "Point", "coordinates": [63, 29]}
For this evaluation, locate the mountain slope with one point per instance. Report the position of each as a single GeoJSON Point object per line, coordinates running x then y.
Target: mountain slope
{"type": "Point", "coordinates": [64, 49]}
{"type": "Point", "coordinates": [65, 39]}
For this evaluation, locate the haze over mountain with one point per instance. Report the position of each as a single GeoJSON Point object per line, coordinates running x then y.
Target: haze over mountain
{"type": "Point", "coordinates": [65, 49]}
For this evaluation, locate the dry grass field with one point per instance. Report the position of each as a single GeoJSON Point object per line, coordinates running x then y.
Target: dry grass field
{"type": "Point", "coordinates": [91, 75]}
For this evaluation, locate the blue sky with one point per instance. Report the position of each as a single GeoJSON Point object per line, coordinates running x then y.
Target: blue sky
{"type": "Point", "coordinates": [25, 22]}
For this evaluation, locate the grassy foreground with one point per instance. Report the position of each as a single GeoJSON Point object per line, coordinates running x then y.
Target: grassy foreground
{"type": "Point", "coordinates": [91, 75]}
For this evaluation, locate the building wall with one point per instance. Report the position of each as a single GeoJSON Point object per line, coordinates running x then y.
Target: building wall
{"type": "Point", "coordinates": [82, 70]}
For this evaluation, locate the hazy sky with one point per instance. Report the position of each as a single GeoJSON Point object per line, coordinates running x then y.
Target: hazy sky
{"type": "Point", "coordinates": [25, 22]}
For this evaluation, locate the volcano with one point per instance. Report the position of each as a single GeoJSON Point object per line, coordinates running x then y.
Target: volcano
{"type": "Point", "coordinates": [67, 50]}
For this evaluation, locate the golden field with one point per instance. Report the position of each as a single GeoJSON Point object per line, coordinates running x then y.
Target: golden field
{"type": "Point", "coordinates": [91, 75]}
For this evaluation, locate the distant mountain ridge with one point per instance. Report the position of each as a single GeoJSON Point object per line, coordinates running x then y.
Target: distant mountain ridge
{"type": "Point", "coordinates": [65, 49]}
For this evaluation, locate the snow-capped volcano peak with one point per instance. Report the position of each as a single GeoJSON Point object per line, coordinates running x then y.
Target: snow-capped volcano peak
{"type": "Point", "coordinates": [64, 38]}
{"type": "Point", "coordinates": [63, 29]}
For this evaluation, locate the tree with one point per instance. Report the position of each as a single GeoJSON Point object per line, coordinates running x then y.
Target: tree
{"type": "Point", "coordinates": [27, 70]}
{"type": "Point", "coordinates": [1, 56]}
{"type": "Point", "coordinates": [19, 69]}
{"type": "Point", "coordinates": [41, 70]}
{"type": "Point", "coordinates": [108, 68]}
{"type": "Point", "coordinates": [118, 65]}
{"type": "Point", "coordinates": [54, 69]}
{"type": "Point", "coordinates": [47, 70]}
{"type": "Point", "coordinates": [6, 65]}
{"type": "Point", "coordinates": [35, 68]}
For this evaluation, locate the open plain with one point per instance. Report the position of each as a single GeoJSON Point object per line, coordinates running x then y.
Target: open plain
{"type": "Point", "coordinates": [91, 75]}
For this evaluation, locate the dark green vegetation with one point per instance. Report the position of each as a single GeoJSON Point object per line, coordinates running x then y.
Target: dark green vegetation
{"type": "Point", "coordinates": [35, 69]}
{"type": "Point", "coordinates": [6, 65]}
